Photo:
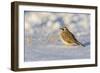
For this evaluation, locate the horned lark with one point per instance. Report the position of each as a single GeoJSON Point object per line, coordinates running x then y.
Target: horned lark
{"type": "Point", "coordinates": [68, 38]}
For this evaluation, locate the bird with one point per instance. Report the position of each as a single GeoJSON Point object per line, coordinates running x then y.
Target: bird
{"type": "Point", "coordinates": [68, 38]}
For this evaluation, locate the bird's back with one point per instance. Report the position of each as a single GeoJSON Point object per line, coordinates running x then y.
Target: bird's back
{"type": "Point", "coordinates": [68, 37]}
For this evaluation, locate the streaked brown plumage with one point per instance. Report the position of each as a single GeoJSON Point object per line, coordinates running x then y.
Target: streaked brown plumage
{"type": "Point", "coordinates": [68, 38]}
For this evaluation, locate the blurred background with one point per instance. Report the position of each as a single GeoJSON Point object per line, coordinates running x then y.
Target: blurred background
{"type": "Point", "coordinates": [42, 41]}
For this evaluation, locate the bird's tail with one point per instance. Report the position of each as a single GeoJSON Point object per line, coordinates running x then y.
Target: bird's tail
{"type": "Point", "coordinates": [80, 43]}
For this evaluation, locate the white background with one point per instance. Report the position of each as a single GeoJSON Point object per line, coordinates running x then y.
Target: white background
{"type": "Point", "coordinates": [5, 34]}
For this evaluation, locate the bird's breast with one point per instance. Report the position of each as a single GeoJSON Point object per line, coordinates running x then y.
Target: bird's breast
{"type": "Point", "coordinates": [65, 38]}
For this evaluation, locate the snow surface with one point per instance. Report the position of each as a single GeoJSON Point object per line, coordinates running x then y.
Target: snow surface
{"type": "Point", "coordinates": [51, 52]}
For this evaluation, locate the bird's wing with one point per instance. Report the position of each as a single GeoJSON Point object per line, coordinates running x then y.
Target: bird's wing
{"type": "Point", "coordinates": [71, 37]}
{"type": "Point", "coordinates": [76, 41]}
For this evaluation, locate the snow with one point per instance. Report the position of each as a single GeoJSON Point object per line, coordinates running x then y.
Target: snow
{"type": "Point", "coordinates": [54, 52]}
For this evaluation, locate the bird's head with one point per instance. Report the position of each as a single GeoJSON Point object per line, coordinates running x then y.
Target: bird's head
{"type": "Point", "coordinates": [64, 29]}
